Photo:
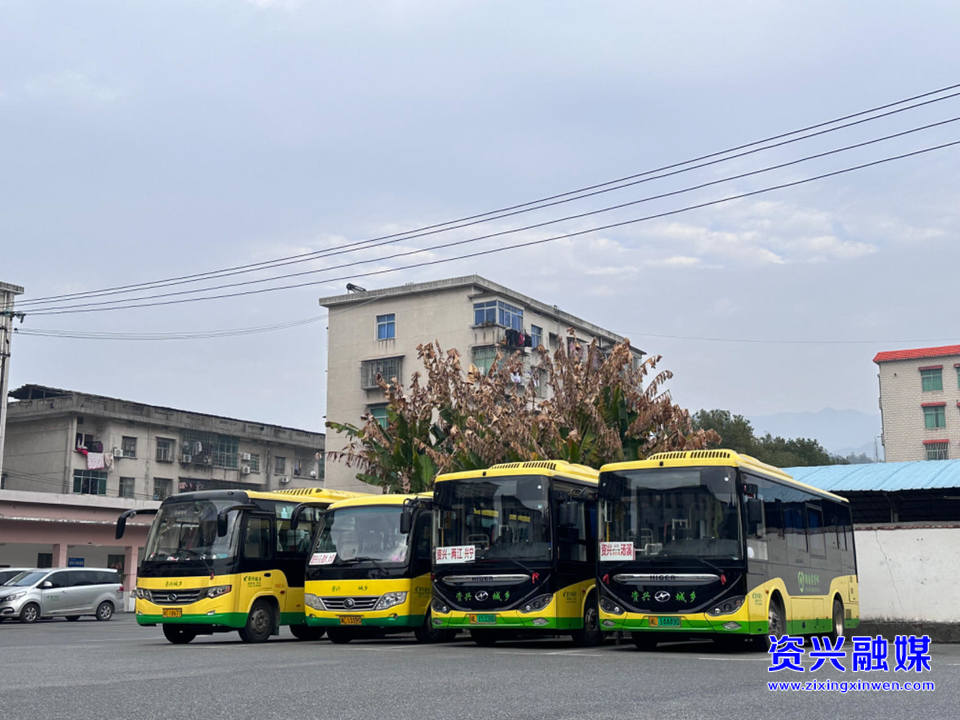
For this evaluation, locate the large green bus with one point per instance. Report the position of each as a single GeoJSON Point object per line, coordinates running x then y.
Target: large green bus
{"type": "Point", "coordinates": [712, 543]}
{"type": "Point", "coordinates": [222, 560]}
{"type": "Point", "coordinates": [515, 549]}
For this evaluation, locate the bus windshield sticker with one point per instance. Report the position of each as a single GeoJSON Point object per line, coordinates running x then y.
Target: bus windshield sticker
{"type": "Point", "coordinates": [610, 551]}
{"type": "Point", "coordinates": [323, 558]}
{"type": "Point", "coordinates": [456, 554]}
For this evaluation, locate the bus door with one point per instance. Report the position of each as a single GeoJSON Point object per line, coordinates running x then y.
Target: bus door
{"type": "Point", "coordinates": [257, 559]}
{"type": "Point", "coordinates": [421, 556]}
{"type": "Point", "coordinates": [575, 567]}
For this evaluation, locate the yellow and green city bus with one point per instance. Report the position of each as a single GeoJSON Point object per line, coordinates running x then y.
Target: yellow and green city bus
{"type": "Point", "coordinates": [515, 550]}
{"type": "Point", "coordinates": [223, 560]}
{"type": "Point", "coordinates": [369, 571]}
{"type": "Point", "coordinates": [712, 543]}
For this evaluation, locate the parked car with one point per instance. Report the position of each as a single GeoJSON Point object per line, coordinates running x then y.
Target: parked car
{"type": "Point", "coordinates": [64, 592]}
{"type": "Point", "coordinates": [8, 573]}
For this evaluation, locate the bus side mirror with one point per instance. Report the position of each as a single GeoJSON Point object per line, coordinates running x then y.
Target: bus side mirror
{"type": "Point", "coordinates": [121, 526]}
{"type": "Point", "coordinates": [222, 524]}
{"type": "Point", "coordinates": [406, 519]}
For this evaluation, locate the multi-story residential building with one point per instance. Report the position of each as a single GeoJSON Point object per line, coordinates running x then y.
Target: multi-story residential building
{"type": "Point", "coordinates": [920, 403]}
{"type": "Point", "coordinates": [63, 441]}
{"type": "Point", "coordinates": [377, 333]}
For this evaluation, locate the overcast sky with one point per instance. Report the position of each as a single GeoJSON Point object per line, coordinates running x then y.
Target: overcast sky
{"type": "Point", "coordinates": [141, 141]}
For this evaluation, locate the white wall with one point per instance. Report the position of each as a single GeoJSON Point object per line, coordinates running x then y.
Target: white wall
{"type": "Point", "coordinates": [908, 574]}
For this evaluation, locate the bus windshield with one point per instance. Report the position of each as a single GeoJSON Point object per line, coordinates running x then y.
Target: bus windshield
{"type": "Point", "coordinates": [358, 534]}
{"type": "Point", "coordinates": [675, 512]}
{"type": "Point", "coordinates": [506, 517]}
{"type": "Point", "coordinates": [188, 531]}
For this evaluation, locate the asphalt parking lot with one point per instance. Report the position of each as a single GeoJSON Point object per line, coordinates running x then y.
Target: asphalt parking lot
{"type": "Point", "coordinates": [96, 670]}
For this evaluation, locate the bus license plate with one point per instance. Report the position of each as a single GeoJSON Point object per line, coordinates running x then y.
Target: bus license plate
{"type": "Point", "coordinates": [482, 619]}
{"type": "Point", "coordinates": [663, 621]}
{"type": "Point", "coordinates": [173, 612]}
{"type": "Point", "coordinates": [351, 620]}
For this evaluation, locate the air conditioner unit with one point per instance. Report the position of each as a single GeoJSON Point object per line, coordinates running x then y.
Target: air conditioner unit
{"type": "Point", "coordinates": [117, 452]}
{"type": "Point", "coordinates": [284, 480]}
{"type": "Point", "coordinates": [245, 456]}
{"type": "Point", "coordinates": [207, 460]}
{"type": "Point", "coordinates": [186, 459]}
{"type": "Point", "coordinates": [244, 469]}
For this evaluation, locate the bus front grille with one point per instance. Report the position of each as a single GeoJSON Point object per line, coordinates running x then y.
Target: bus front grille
{"type": "Point", "coordinates": [177, 597]}
{"type": "Point", "coordinates": [350, 603]}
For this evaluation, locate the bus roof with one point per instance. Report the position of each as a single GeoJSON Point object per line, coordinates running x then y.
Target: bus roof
{"type": "Point", "coordinates": [367, 500]}
{"type": "Point", "coordinates": [294, 495]}
{"type": "Point", "coordinates": [728, 458]}
{"type": "Point", "coordinates": [551, 468]}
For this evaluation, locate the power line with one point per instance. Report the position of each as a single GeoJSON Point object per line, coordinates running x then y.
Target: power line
{"type": "Point", "coordinates": [502, 233]}
{"type": "Point", "coordinates": [509, 210]}
{"type": "Point", "coordinates": [761, 341]}
{"type": "Point", "coordinates": [151, 336]}
{"type": "Point", "coordinates": [530, 243]}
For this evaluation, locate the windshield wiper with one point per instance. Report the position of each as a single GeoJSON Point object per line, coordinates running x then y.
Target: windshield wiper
{"type": "Point", "coordinates": [366, 558]}
{"type": "Point", "coordinates": [510, 559]}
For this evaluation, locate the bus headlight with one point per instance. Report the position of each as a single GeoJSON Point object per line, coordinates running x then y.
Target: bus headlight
{"type": "Point", "coordinates": [440, 606]}
{"type": "Point", "coordinates": [313, 601]}
{"type": "Point", "coordinates": [144, 594]}
{"type": "Point", "coordinates": [609, 606]}
{"type": "Point", "coordinates": [388, 600]}
{"type": "Point", "coordinates": [538, 603]}
{"type": "Point", "coordinates": [730, 605]}
{"type": "Point", "coordinates": [218, 590]}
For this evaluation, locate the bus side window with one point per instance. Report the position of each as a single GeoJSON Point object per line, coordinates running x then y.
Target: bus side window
{"type": "Point", "coordinates": [256, 540]}
{"type": "Point", "coordinates": [794, 525]}
{"type": "Point", "coordinates": [421, 536]}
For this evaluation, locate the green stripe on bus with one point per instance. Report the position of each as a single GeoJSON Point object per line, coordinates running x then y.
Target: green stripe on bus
{"type": "Point", "coordinates": [234, 620]}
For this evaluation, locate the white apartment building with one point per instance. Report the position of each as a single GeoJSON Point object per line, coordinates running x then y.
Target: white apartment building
{"type": "Point", "coordinates": [377, 332]}
{"type": "Point", "coordinates": [920, 403]}
{"type": "Point", "coordinates": [63, 441]}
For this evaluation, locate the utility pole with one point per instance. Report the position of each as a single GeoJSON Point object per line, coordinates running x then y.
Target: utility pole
{"type": "Point", "coordinates": [7, 293]}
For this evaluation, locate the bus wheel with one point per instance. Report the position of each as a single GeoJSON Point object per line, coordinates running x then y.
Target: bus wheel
{"type": "Point", "coordinates": [590, 634]}
{"type": "Point", "coordinates": [838, 624]}
{"type": "Point", "coordinates": [483, 638]}
{"type": "Point", "coordinates": [426, 633]}
{"type": "Point", "coordinates": [776, 619]}
{"type": "Point", "coordinates": [338, 636]}
{"type": "Point", "coordinates": [259, 623]}
{"type": "Point", "coordinates": [305, 632]}
{"type": "Point", "coordinates": [179, 634]}
{"type": "Point", "coordinates": [645, 641]}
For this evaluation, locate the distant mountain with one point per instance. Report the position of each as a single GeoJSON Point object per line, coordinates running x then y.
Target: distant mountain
{"type": "Point", "coordinates": [841, 432]}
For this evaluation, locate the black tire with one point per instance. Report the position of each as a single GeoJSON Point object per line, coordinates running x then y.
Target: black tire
{"type": "Point", "coordinates": [645, 640]}
{"type": "Point", "coordinates": [260, 623]}
{"type": "Point", "coordinates": [838, 620]}
{"type": "Point", "coordinates": [305, 632]}
{"type": "Point", "coordinates": [484, 638]}
{"type": "Point", "coordinates": [179, 634]}
{"type": "Point", "coordinates": [105, 610]}
{"type": "Point", "coordinates": [591, 634]}
{"type": "Point", "coordinates": [339, 636]}
{"type": "Point", "coordinates": [776, 621]}
{"type": "Point", "coordinates": [30, 613]}
{"type": "Point", "coordinates": [73, 618]}
{"type": "Point", "coordinates": [426, 633]}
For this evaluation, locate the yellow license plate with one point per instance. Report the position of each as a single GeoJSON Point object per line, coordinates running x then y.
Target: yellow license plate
{"type": "Point", "coordinates": [351, 620]}
{"type": "Point", "coordinates": [173, 612]}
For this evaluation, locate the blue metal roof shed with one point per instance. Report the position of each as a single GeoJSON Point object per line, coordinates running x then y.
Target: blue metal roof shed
{"type": "Point", "coordinates": [881, 477]}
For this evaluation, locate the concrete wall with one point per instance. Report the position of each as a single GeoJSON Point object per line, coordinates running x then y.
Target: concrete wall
{"type": "Point", "coordinates": [901, 405]}
{"type": "Point", "coordinates": [907, 573]}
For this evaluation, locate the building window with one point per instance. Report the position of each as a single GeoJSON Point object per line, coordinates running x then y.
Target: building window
{"type": "Point", "coordinates": [165, 449]}
{"type": "Point", "coordinates": [931, 378]}
{"type": "Point", "coordinates": [958, 376]}
{"type": "Point", "coordinates": [279, 465]}
{"type": "Point", "coordinates": [127, 485]}
{"type": "Point", "coordinates": [386, 327]}
{"type": "Point", "coordinates": [129, 446]}
{"type": "Point", "coordinates": [536, 336]}
{"type": "Point", "coordinates": [44, 560]}
{"type": "Point", "coordinates": [387, 368]}
{"type": "Point", "coordinates": [938, 451]}
{"type": "Point", "coordinates": [162, 487]}
{"type": "Point", "coordinates": [254, 462]}
{"type": "Point", "coordinates": [90, 482]}
{"type": "Point", "coordinates": [497, 312]}
{"type": "Point", "coordinates": [483, 357]}
{"type": "Point", "coordinates": [379, 413]}
{"type": "Point", "coordinates": [934, 416]}
{"type": "Point", "coordinates": [225, 452]}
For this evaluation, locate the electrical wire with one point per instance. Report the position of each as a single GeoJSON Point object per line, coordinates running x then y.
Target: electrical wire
{"type": "Point", "coordinates": [428, 263]}
{"type": "Point", "coordinates": [508, 211]}
{"type": "Point", "coordinates": [166, 335]}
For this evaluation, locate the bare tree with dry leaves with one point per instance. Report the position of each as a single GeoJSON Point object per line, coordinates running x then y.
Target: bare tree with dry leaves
{"type": "Point", "coordinates": [588, 406]}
